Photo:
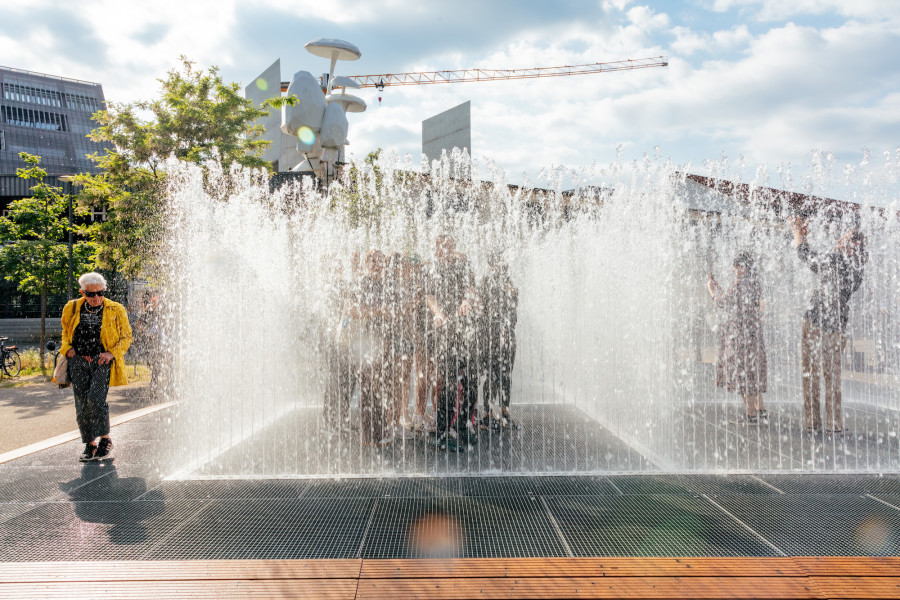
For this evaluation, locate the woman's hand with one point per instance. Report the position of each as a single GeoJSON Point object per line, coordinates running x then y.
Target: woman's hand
{"type": "Point", "coordinates": [70, 353]}
{"type": "Point", "coordinates": [712, 287]}
{"type": "Point", "coordinates": [105, 358]}
{"type": "Point", "coordinates": [439, 320]}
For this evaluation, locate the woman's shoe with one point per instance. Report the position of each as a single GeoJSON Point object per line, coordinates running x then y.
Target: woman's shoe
{"type": "Point", "coordinates": [423, 425]}
{"type": "Point", "coordinates": [838, 432]}
{"type": "Point", "coordinates": [88, 455]}
{"type": "Point", "coordinates": [762, 413]}
{"type": "Point", "coordinates": [385, 441]}
{"type": "Point", "coordinates": [104, 449]}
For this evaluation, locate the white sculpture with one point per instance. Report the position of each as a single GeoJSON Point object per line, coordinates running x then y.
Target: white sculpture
{"type": "Point", "coordinates": [334, 126]}
{"type": "Point", "coordinates": [310, 107]}
{"type": "Point", "coordinates": [318, 119]}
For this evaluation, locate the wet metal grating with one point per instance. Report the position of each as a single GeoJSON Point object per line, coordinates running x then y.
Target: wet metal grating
{"type": "Point", "coordinates": [820, 524]}
{"type": "Point", "coordinates": [90, 530]}
{"type": "Point", "coordinates": [103, 512]}
{"type": "Point", "coordinates": [834, 483]}
{"type": "Point", "coordinates": [270, 529]}
{"type": "Point", "coordinates": [470, 527]}
{"type": "Point", "coordinates": [657, 525]}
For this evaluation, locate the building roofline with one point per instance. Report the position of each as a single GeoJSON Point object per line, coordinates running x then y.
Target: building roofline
{"type": "Point", "coordinates": [784, 203]}
{"type": "Point", "coordinates": [58, 77]}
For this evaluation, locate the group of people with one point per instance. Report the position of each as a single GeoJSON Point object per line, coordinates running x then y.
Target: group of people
{"type": "Point", "coordinates": [742, 365]}
{"type": "Point", "coordinates": [428, 329]}
{"type": "Point", "coordinates": [402, 327]}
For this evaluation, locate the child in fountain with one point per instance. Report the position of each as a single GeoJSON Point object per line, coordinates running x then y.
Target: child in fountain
{"type": "Point", "coordinates": [741, 365]}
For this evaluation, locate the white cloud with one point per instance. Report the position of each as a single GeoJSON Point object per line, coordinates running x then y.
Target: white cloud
{"type": "Point", "coordinates": [688, 41]}
{"type": "Point", "coordinates": [778, 10]}
{"type": "Point", "coordinates": [770, 92]}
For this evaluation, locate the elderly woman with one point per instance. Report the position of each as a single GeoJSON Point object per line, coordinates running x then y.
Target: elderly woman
{"type": "Point", "coordinates": [96, 335]}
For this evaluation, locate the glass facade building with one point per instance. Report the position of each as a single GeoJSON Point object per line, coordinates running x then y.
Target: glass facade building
{"type": "Point", "coordinates": [48, 116]}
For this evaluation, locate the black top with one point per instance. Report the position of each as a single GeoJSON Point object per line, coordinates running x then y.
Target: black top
{"type": "Point", "coordinates": [501, 301]}
{"type": "Point", "coordinates": [448, 282]}
{"type": "Point", "coordinates": [86, 340]}
{"type": "Point", "coordinates": [368, 296]}
{"type": "Point", "coordinates": [840, 275]}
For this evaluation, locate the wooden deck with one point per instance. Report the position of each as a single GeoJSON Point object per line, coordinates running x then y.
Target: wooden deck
{"type": "Point", "coordinates": [799, 577]}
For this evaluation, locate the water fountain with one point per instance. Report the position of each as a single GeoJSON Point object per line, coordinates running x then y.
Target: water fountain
{"type": "Point", "coordinates": [616, 335]}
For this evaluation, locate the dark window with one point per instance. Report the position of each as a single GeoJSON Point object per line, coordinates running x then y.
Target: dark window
{"type": "Point", "coordinates": [38, 119]}
{"type": "Point", "coordinates": [34, 95]}
{"type": "Point", "coordinates": [81, 102]}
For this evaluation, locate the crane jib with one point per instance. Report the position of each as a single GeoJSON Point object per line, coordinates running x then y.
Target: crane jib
{"type": "Point", "coordinates": [383, 80]}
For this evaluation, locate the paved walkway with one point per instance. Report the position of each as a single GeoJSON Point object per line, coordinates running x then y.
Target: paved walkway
{"type": "Point", "coordinates": [32, 411]}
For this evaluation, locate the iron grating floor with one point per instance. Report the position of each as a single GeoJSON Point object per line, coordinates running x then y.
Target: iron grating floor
{"type": "Point", "coordinates": [652, 525]}
{"type": "Point", "coordinates": [821, 524]}
{"type": "Point", "coordinates": [53, 508]}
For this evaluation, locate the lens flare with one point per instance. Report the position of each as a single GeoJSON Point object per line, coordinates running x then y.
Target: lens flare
{"type": "Point", "coordinates": [306, 135]}
{"type": "Point", "coordinates": [262, 84]}
{"type": "Point", "coordinates": [873, 535]}
{"type": "Point", "coordinates": [436, 535]}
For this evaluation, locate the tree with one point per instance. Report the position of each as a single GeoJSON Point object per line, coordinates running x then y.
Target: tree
{"type": "Point", "coordinates": [32, 251]}
{"type": "Point", "coordinates": [360, 196]}
{"type": "Point", "coordinates": [197, 118]}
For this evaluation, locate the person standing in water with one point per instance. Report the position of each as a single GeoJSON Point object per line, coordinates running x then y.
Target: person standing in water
{"type": "Point", "coordinates": [452, 299]}
{"type": "Point", "coordinates": [742, 366]}
{"type": "Point", "coordinates": [824, 335]}
{"type": "Point", "coordinates": [501, 300]}
{"type": "Point", "coordinates": [368, 344]}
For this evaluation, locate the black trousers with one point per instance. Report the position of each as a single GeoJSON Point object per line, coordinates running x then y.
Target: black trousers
{"type": "Point", "coordinates": [374, 389]}
{"type": "Point", "coordinates": [459, 392]}
{"type": "Point", "coordinates": [499, 375]}
{"type": "Point", "coordinates": [90, 382]}
{"type": "Point", "coordinates": [338, 387]}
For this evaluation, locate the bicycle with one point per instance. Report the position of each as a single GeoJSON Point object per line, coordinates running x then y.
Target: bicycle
{"type": "Point", "coordinates": [52, 346]}
{"type": "Point", "coordinates": [10, 361]}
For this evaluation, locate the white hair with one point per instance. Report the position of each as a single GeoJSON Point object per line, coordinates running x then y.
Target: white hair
{"type": "Point", "coordinates": [92, 278]}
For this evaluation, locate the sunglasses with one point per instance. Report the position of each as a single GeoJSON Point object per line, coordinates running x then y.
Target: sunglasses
{"type": "Point", "coordinates": [101, 293]}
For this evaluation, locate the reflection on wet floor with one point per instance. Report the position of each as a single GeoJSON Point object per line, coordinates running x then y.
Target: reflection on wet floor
{"type": "Point", "coordinates": [560, 438]}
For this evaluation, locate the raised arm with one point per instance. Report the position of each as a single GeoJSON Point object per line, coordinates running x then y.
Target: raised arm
{"type": "Point", "coordinates": [800, 229]}
{"type": "Point", "coordinates": [439, 317]}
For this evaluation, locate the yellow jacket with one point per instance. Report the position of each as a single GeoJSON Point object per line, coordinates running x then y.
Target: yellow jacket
{"type": "Point", "coordinates": [115, 334]}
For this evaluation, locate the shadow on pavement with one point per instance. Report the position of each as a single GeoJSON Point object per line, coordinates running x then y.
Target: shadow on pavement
{"type": "Point", "coordinates": [99, 495]}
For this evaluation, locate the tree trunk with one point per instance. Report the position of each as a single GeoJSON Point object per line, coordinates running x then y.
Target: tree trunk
{"type": "Point", "coordinates": [43, 324]}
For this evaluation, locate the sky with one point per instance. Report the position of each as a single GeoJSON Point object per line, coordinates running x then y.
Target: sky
{"type": "Point", "coordinates": [761, 84]}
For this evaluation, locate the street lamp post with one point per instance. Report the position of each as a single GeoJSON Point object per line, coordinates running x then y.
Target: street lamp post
{"type": "Point", "coordinates": [69, 179]}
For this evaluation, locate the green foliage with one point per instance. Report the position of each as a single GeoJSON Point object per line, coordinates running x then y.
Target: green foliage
{"type": "Point", "coordinates": [33, 250]}
{"type": "Point", "coordinates": [361, 196]}
{"type": "Point", "coordinates": [280, 101]}
{"type": "Point", "coordinates": [197, 118]}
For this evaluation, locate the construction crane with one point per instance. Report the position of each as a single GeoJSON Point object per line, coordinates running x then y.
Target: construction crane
{"type": "Point", "coordinates": [320, 122]}
{"type": "Point", "coordinates": [384, 80]}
